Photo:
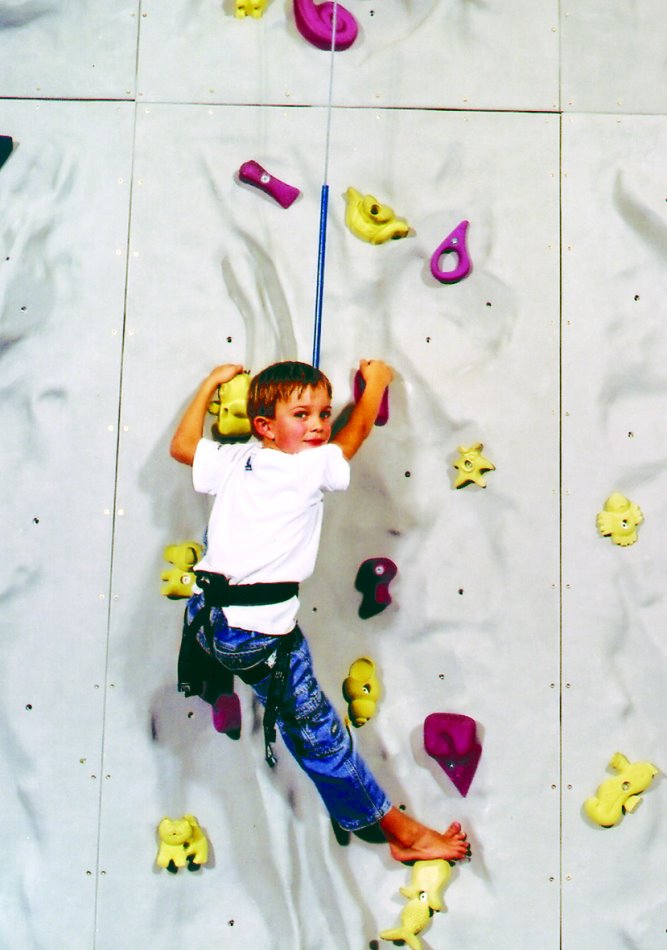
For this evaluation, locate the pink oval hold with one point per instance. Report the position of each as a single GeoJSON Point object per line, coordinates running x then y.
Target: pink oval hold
{"type": "Point", "coordinates": [252, 173]}
{"type": "Point", "coordinates": [454, 243]}
{"type": "Point", "coordinates": [315, 23]}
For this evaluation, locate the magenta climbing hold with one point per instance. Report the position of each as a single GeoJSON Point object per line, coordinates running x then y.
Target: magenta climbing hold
{"type": "Point", "coordinates": [383, 412]}
{"type": "Point", "coordinates": [226, 714]}
{"type": "Point", "coordinates": [454, 243]}
{"type": "Point", "coordinates": [451, 739]}
{"type": "Point", "coordinates": [252, 173]}
{"type": "Point", "coordinates": [315, 23]}
{"type": "Point", "coordinates": [373, 579]}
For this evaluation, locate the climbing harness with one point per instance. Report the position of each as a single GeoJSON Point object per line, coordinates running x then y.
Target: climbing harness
{"type": "Point", "coordinates": [200, 674]}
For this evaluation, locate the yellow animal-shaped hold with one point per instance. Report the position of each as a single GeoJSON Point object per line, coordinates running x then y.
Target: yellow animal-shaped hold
{"type": "Point", "coordinates": [231, 407]}
{"type": "Point", "coordinates": [362, 691]}
{"type": "Point", "coordinates": [414, 917]}
{"type": "Point", "coordinates": [424, 893]}
{"type": "Point", "coordinates": [620, 793]}
{"type": "Point", "coordinates": [618, 519]}
{"type": "Point", "coordinates": [471, 466]}
{"type": "Point", "coordinates": [253, 8]}
{"type": "Point", "coordinates": [430, 878]}
{"type": "Point", "coordinates": [182, 842]}
{"type": "Point", "coordinates": [372, 221]}
{"type": "Point", "coordinates": [179, 578]}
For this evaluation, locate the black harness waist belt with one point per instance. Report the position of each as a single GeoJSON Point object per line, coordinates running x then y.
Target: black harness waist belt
{"type": "Point", "coordinates": [220, 593]}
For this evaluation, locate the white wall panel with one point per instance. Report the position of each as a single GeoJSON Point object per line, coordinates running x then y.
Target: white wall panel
{"type": "Point", "coordinates": [63, 224]}
{"type": "Point", "coordinates": [614, 388]}
{"type": "Point", "coordinates": [613, 56]}
{"type": "Point", "coordinates": [76, 50]}
{"type": "Point", "coordinates": [423, 53]}
{"type": "Point", "coordinates": [213, 261]}
{"type": "Point", "coordinates": [97, 745]}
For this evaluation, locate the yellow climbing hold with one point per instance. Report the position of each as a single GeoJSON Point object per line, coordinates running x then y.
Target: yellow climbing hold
{"type": "Point", "coordinates": [372, 221]}
{"type": "Point", "coordinates": [362, 691]}
{"type": "Point", "coordinates": [231, 407]}
{"type": "Point", "coordinates": [619, 794]}
{"type": "Point", "coordinates": [471, 465]}
{"type": "Point", "coordinates": [619, 519]}
{"type": "Point", "coordinates": [254, 8]}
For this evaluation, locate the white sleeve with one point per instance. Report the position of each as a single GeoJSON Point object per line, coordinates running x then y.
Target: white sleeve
{"type": "Point", "coordinates": [207, 466]}
{"type": "Point", "coordinates": [336, 469]}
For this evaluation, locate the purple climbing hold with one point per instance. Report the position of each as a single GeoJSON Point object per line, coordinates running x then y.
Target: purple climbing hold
{"type": "Point", "coordinates": [252, 173]}
{"type": "Point", "coordinates": [451, 739]}
{"type": "Point", "coordinates": [315, 23]}
{"type": "Point", "coordinates": [383, 411]}
{"type": "Point", "coordinates": [226, 713]}
{"type": "Point", "coordinates": [373, 579]}
{"type": "Point", "coordinates": [454, 243]}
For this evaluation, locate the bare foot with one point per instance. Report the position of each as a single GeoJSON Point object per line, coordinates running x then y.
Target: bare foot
{"type": "Point", "coordinates": [409, 840]}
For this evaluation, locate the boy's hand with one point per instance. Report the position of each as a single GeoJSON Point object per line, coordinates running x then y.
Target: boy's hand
{"type": "Point", "coordinates": [225, 372]}
{"type": "Point", "coordinates": [189, 430]}
{"type": "Point", "coordinates": [376, 376]}
{"type": "Point", "coordinates": [376, 371]}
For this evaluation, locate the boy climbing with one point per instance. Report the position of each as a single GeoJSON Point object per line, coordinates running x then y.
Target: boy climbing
{"type": "Point", "coordinates": [262, 541]}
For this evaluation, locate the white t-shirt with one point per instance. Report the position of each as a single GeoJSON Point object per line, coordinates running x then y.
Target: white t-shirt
{"type": "Point", "coordinates": [266, 519]}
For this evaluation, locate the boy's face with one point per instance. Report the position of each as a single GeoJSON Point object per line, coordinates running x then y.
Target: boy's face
{"type": "Point", "coordinates": [303, 421]}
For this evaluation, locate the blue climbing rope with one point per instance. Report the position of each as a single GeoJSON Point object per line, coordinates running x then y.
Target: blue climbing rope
{"type": "Point", "coordinates": [324, 208]}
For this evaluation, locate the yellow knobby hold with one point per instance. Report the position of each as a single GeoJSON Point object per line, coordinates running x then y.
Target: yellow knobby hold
{"type": "Point", "coordinates": [254, 8]}
{"type": "Point", "coordinates": [430, 877]}
{"type": "Point", "coordinates": [181, 842]}
{"type": "Point", "coordinates": [414, 917]}
{"type": "Point", "coordinates": [620, 793]}
{"type": "Point", "coordinates": [618, 519]}
{"type": "Point", "coordinates": [362, 691]}
{"type": "Point", "coordinates": [372, 221]}
{"type": "Point", "coordinates": [231, 407]}
{"type": "Point", "coordinates": [179, 578]}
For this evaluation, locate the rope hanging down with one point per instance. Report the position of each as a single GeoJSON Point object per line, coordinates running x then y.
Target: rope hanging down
{"type": "Point", "coordinates": [324, 206]}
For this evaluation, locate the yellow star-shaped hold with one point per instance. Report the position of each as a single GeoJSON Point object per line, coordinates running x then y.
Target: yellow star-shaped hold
{"type": "Point", "coordinates": [471, 465]}
{"type": "Point", "coordinates": [253, 8]}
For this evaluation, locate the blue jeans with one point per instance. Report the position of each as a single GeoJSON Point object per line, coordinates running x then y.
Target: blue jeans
{"type": "Point", "coordinates": [310, 726]}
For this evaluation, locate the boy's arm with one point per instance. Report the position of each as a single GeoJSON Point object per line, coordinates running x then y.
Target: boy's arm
{"type": "Point", "coordinates": [190, 428]}
{"type": "Point", "coordinates": [377, 376]}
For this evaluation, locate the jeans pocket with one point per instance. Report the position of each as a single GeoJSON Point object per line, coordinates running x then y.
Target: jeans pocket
{"type": "Point", "coordinates": [320, 733]}
{"type": "Point", "coordinates": [241, 649]}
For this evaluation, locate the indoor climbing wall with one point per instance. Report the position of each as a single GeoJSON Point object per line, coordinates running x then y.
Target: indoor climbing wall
{"type": "Point", "coordinates": [529, 593]}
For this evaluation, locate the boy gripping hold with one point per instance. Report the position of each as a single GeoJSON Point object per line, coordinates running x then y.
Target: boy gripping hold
{"type": "Point", "coordinates": [263, 536]}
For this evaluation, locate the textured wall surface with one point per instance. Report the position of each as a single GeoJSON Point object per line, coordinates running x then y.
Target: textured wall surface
{"type": "Point", "coordinates": [132, 259]}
